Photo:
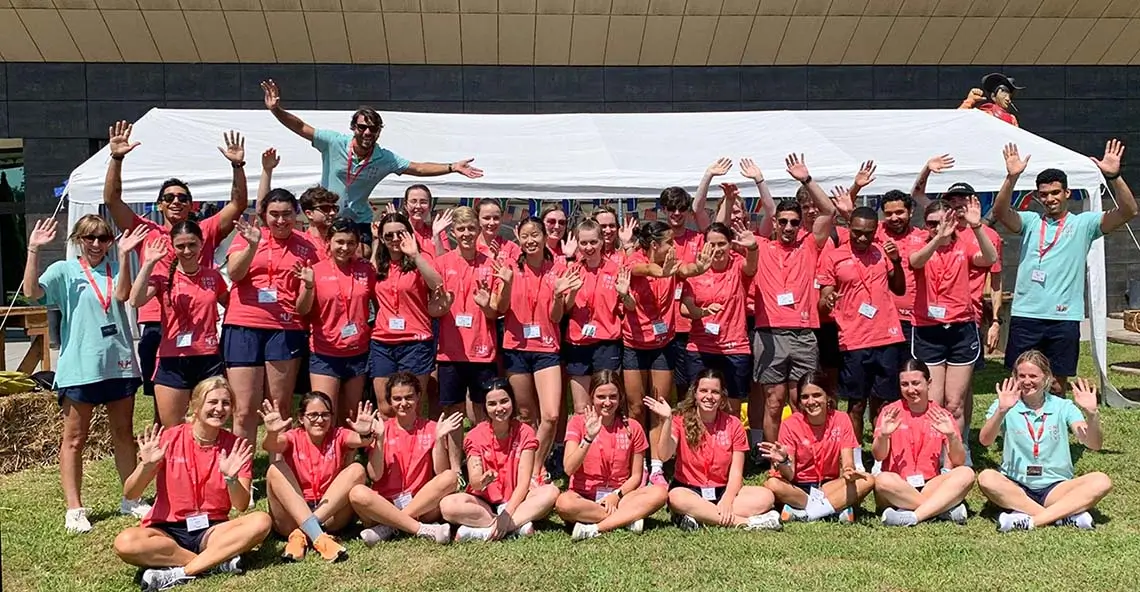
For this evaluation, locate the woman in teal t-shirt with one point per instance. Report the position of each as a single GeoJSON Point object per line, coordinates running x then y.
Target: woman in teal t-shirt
{"type": "Point", "coordinates": [1036, 481]}
{"type": "Point", "coordinates": [96, 354]}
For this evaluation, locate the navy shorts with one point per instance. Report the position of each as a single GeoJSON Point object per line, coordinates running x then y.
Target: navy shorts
{"type": "Point", "coordinates": [956, 344]}
{"type": "Point", "coordinates": [99, 393]}
{"type": "Point", "coordinates": [191, 541]}
{"type": "Point", "coordinates": [662, 358]}
{"type": "Point", "coordinates": [584, 360]}
{"type": "Point", "coordinates": [365, 230]}
{"type": "Point", "coordinates": [524, 362]}
{"type": "Point", "coordinates": [340, 367]}
{"type": "Point", "coordinates": [871, 371]}
{"type": "Point", "coordinates": [245, 346]}
{"type": "Point", "coordinates": [459, 381]}
{"type": "Point", "coordinates": [697, 490]}
{"type": "Point", "coordinates": [1060, 341]}
{"type": "Point", "coordinates": [186, 372]}
{"type": "Point", "coordinates": [417, 357]}
{"type": "Point", "coordinates": [827, 340]}
{"type": "Point", "coordinates": [905, 346]}
{"type": "Point", "coordinates": [1038, 495]}
{"type": "Point", "coordinates": [682, 374]}
{"type": "Point", "coordinates": [150, 337]}
{"type": "Point", "coordinates": [736, 368]}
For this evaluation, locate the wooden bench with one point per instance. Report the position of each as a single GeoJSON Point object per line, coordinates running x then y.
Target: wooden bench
{"type": "Point", "coordinates": [34, 321]}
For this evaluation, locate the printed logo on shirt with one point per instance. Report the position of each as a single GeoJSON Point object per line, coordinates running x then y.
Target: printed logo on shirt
{"type": "Point", "coordinates": [286, 317]}
{"type": "Point", "coordinates": [1062, 308]}
{"type": "Point", "coordinates": [722, 438]}
{"type": "Point", "coordinates": [208, 283]}
{"type": "Point", "coordinates": [608, 281]}
{"type": "Point", "coordinates": [125, 364]}
{"type": "Point", "coordinates": [425, 441]}
{"type": "Point", "coordinates": [621, 441]}
{"type": "Point", "coordinates": [482, 350]}
{"type": "Point", "coordinates": [211, 341]}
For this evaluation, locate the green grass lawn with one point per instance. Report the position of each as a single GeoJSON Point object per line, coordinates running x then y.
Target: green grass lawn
{"type": "Point", "coordinates": [38, 555]}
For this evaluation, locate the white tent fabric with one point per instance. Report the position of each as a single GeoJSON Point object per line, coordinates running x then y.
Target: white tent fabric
{"type": "Point", "coordinates": [604, 156]}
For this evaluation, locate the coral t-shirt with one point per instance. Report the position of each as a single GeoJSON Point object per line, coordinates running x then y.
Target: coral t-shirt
{"type": "Point", "coordinates": [339, 317]}
{"type": "Point", "coordinates": [408, 464]}
{"type": "Point", "coordinates": [151, 312]}
{"type": "Point", "coordinates": [266, 298]}
{"type": "Point", "coordinates": [725, 332]}
{"type": "Point", "coordinates": [865, 311]}
{"type": "Point", "coordinates": [316, 466]}
{"type": "Point", "coordinates": [402, 306]}
{"type": "Point", "coordinates": [651, 325]}
{"type": "Point", "coordinates": [687, 246]}
{"type": "Point", "coordinates": [608, 461]}
{"type": "Point", "coordinates": [977, 274]}
{"type": "Point", "coordinates": [501, 456]}
{"type": "Point", "coordinates": [526, 324]}
{"type": "Point", "coordinates": [189, 306]}
{"type": "Point", "coordinates": [942, 286]}
{"type": "Point", "coordinates": [595, 307]}
{"type": "Point", "coordinates": [916, 447]}
{"type": "Point", "coordinates": [189, 481]}
{"type": "Point", "coordinates": [816, 449]}
{"type": "Point", "coordinates": [783, 291]}
{"type": "Point", "coordinates": [466, 334]}
{"type": "Point", "coordinates": [709, 463]}
{"type": "Point", "coordinates": [907, 243]}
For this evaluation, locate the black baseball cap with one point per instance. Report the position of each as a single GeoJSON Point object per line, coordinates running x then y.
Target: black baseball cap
{"type": "Point", "coordinates": [959, 189]}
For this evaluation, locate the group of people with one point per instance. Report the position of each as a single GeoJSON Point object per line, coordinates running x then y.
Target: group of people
{"type": "Point", "coordinates": [448, 319]}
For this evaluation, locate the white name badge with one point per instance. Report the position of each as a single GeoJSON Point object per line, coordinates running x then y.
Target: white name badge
{"type": "Point", "coordinates": [267, 296]}
{"type": "Point", "coordinates": [601, 493]}
{"type": "Point", "coordinates": [708, 493]}
{"type": "Point", "coordinates": [348, 330]}
{"type": "Point", "coordinates": [867, 310]}
{"type": "Point", "coordinates": [712, 328]}
{"type": "Point", "coordinates": [916, 481]}
{"type": "Point", "coordinates": [936, 312]}
{"type": "Point", "coordinates": [463, 321]}
{"type": "Point", "coordinates": [785, 299]}
{"type": "Point", "coordinates": [660, 328]}
{"type": "Point", "coordinates": [532, 332]}
{"type": "Point", "coordinates": [589, 330]}
{"type": "Point", "coordinates": [677, 294]}
{"type": "Point", "coordinates": [197, 522]}
{"type": "Point", "coordinates": [184, 339]}
{"type": "Point", "coordinates": [816, 282]}
{"type": "Point", "coordinates": [1037, 276]}
{"type": "Point", "coordinates": [402, 500]}
{"type": "Point", "coordinates": [396, 324]}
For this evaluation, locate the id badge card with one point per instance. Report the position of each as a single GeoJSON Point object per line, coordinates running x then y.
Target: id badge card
{"type": "Point", "coordinates": [532, 332]}
{"type": "Point", "coordinates": [463, 320]}
{"type": "Point", "coordinates": [396, 324]}
{"type": "Point", "coordinates": [1038, 276]}
{"type": "Point", "coordinates": [266, 295]}
{"type": "Point", "coordinates": [708, 493]}
{"type": "Point", "coordinates": [677, 293]}
{"type": "Point", "coordinates": [589, 330]}
{"type": "Point", "coordinates": [109, 330]}
{"type": "Point", "coordinates": [660, 328]}
{"type": "Point", "coordinates": [1034, 471]}
{"type": "Point", "coordinates": [785, 299]}
{"type": "Point", "coordinates": [916, 481]}
{"type": "Point", "coordinates": [867, 310]}
{"type": "Point", "coordinates": [348, 330]}
{"type": "Point", "coordinates": [712, 328]}
{"type": "Point", "coordinates": [936, 312]}
{"type": "Point", "coordinates": [601, 493]}
{"type": "Point", "coordinates": [197, 522]}
{"type": "Point", "coordinates": [184, 340]}
{"type": "Point", "coordinates": [402, 500]}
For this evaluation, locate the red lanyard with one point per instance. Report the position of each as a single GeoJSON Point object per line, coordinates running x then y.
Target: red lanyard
{"type": "Point", "coordinates": [1040, 432]}
{"type": "Point", "coordinates": [271, 265]}
{"type": "Point", "coordinates": [948, 259]}
{"type": "Point", "coordinates": [104, 299]}
{"type": "Point", "coordinates": [1042, 248]}
{"type": "Point", "coordinates": [349, 177]}
{"type": "Point", "coordinates": [197, 484]}
{"type": "Point", "coordinates": [394, 280]}
{"type": "Point", "coordinates": [917, 442]}
{"type": "Point", "coordinates": [182, 314]}
{"type": "Point", "coordinates": [317, 454]}
{"type": "Point", "coordinates": [407, 444]}
{"type": "Point", "coordinates": [593, 291]}
{"type": "Point", "coordinates": [345, 301]}
{"type": "Point", "coordinates": [540, 275]}
{"type": "Point", "coordinates": [710, 443]}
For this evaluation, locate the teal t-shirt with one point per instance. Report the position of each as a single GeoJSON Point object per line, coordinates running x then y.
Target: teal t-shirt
{"type": "Point", "coordinates": [334, 148]}
{"type": "Point", "coordinates": [1058, 416]}
{"type": "Point", "coordinates": [95, 345]}
{"type": "Point", "coordinates": [1053, 287]}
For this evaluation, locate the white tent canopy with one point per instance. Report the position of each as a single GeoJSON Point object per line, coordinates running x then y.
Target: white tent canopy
{"type": "Point", "coordinates": [604, 156]}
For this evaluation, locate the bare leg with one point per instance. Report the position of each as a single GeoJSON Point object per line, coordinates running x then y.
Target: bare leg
{"type": "Point", "coordinates": [548, 384]}
{"type": "Point", "coordinates": [352, 392]}
{"type": "Point", "coordinates": [775, 397]}
{"type": "Point", "coordinates": [120, 417]}
{"type": "Point", "coordinates": [230, 539]}
{"type": "Point", "coordinates": [662, 385]}
{"type": "Point", "coordinates": [844, 494]}
{"type": "Point", "coordinates": [150, 547]}
{"type": "Point", "coordinates": [430, 382]}
{"type": "Point", "coordinates": [638, 505]}
{"type": "Point", "coordinates": [1073, 497]}
{"type": "Point", "coordinates": [957, 392]}
{"type": "Point", "coordinates": [751, 500]}
{"type": "Point", "coordinates": [856, 408]}
{"type": "Point", "coordinates": [281, 379]}
{"type": "Point", "coordinates": [580, 393]}
{"type": "Point", "coordinates": [171, 404]}
{"type": "Point", "coordinates": [331, 386]}
{"type": "Point", "coordinates": [1006, 494]}
{"type": "Point", "coordinates": [938, 384]}
{"type": "Point", "coordinates": [537, 505]}
{"type": "Point", "coordinates": [636, 390]}
{"type": "Point", "coordinates": [938, 495]}
{"type": "Point", "coordinates": [374, 508]}
{"type": "Point", "coordinates": [248, 384]}
{"type": "Point", "coordinates": [465, 509]}
{"type": "Point", "coordinates": [380, 386]}
{"type": "Point", "coordinates": [287, 505]}
{"type": "Point", "coordinates": [331, 509]}
{"type": "Point", "coordinates": [786, 493]}
{"type": "Point", "coordinates": [76, 424]}
{"type": "Point", "coordinates": [426, 501]}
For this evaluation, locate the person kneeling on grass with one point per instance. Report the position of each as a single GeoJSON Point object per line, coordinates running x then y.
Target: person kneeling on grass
{"type": "Point", "coordinates": [708, 487]}
{"type": "Point", "coordinates": [813, 461]}
{"type": "Point", "coordinates": [1036, 480]}
{"type": "Point", "coordinates": [605, 456]}
{"type": "Point", "coordinates": [201, 471]}
{"type": "Point", "coordinates": [410, 468]}
{"type": "Point", "coordinates": [309, 485]}
{"type": "Point", "coordinates": [501, 498]}
{"type": "Point", "coordinates": [914, 437]}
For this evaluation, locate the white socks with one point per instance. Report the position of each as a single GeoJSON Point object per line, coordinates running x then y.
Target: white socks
{"type": "Point", "coordinates": [818, 508]}
{"type": "Point", "coordinates": [656, 466]}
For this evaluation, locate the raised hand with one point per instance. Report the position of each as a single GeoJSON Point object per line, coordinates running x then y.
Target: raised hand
{"type": "Point", "coordinates": [504, 273]}
{"type": "Point", "coordinates": [621, 284]}
{"type": "Point", "coordinates": [669, 266]}
{"type": "Point", "coordinates": [973, 213]}
{"type": "Point", "coordinates": [992, 335]}
{"type": "Point", "coordinates": [155, 251]}
{"type": "Point", "coordinates": [249, 232]}
{"type": "Point", "coordinates": [658, 406]}
{"type": "Point", "coordinates": [365, 415]}
{"type": "Point", "coordinates": [866, 174]}
{"type": "Point", "coordinates": [704, 258]}
{"type": "Point", "coordinates": [150, 447]}
{"type": "Point", "coordinates": [937, 164]}
{"type": "Point", "coordinates": [303, 273]}
{"type": "Point", "coordinates": [119, 139]}
{"type": "Point", "coordinates": [891, 421]}
{"type": "Point", "coordinates": [408, 245]}
{"type": "Point", "coordinates": [570, 246]}
{"type": "Point", "coordinates": [272, 419]}
{"type": "Point", "coordinates": [749, 170]}
{"type": "Point", "coordinates": [441, 222]}
{"type": "Point", "coordinates": [730, 190]}
{"type": "Point", "coordinates": [744, 237]}
{"type": "Point", "coordinates": [442, 298]}
{"type": "Point", "coordinates": [1008, 394]}
{"type": "Point", "coordinates": [464, 168]}
{"type": "Point", "coordinates": [1014, 164]}
{"type": "Point", "coordinates": [43, 233]}
{"type": "Point", "coordinates": [593, 422]}
{"type": "Point", "coordinates": [720, 167]}
{"type": "Point", "coordinates": [379, 425]}
{"type": "Point", "coordinates": [235, 147]}
{"type": "Point", "coordinates": [941, 420]}
{"type": "Point", "coordinates": [773, 451]}
{"type": "Point", "coordinates": [390, 208]}
{"type": "Point", "coordinates": [230, 464]}
{"type": "Point", "coordinates": [625, 235]}
{"type": "Point", "coordinates": [797, 167]}
{"type": "Point", "coordinates": [482, 294]}
{"type": "Point", "coordinates": [1084, 395]}
{"type": "Point", "coordinates": [272, 94]}
{"type": "Point", "coordinates": [1109, 164]}
{"type": "Point", "coordinates": [448, 424]}
{"type": "Point", "coordinates": [565, 281]}
{"type": "Point", "coordinates": [131, 239]}
{"type": "Point", "coordinates": [947, 227]}
{"type": "Point", "coordinates": [269, 159]}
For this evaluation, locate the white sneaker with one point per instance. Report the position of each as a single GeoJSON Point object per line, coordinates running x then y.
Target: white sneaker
{"type": "Point", "coordinates": [896, 517]}
{"type": "Point", "coordinates": [859, 459]}
{"type": "Point", "coordinates": [1008, 521]}
{"type": "Point", "coordinates": [525, 530]}
{"type": "Point", "coordinates": [637, 526]}
{"type": "Point", "coordinates": [769, 520]}
{"type": "Point", "coordinates": [1083, 521]}
{"type": "Point", "coordinates": [877, 468]}
{"type": "Point", "coordinates": [136, 508]}
{"type": "Point", "coordinates": [252, 498]}
{"type": "Point", "coordinates": [584, 531]}
{"type": "Point", "coordinates": [232, 566]}
{"type": "Point", "coordinates": [470, 533]}
{"type": "Point", "coordinates": [686, 522]}
{"type": "Point", "coordinates": [164, 579]}
{"type": "Point", "coordinates": [380, 532]}
{"type": "Point", "coordinates": [957, 514]}
{"type": "Point", "coordinates": [75, 521]}
{"type": "Point", "coordinates": [440, 533]}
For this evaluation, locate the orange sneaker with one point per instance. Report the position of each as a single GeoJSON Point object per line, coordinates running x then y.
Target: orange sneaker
{"type": "Point", "coordinates": [295, 547]}
{"type": "Point", "coordinates": [329, 549]}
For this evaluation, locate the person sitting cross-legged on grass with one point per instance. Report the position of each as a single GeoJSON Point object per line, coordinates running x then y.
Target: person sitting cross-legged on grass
{"type": "Point", "coordinates": [914, 437]}
{"type": "Point", "coordinates": [309, 485]}
{"type": "Point", "coordinates": [708, 486]}
{"type": "Point", "coordinates": [605, 456]}
{"type": "Point", "coordinates": [409, 466]}
{"type": "Point", "coordinates": [201, 471]}
{"type": "Point", "coordinates": [501, 498]}
{"type": "Point", "coordinates": [1036, 480]}
{"type": "Point", "coordinates": [813, 462]}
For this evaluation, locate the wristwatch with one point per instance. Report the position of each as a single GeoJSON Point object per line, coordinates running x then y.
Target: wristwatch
{"type": "Point", "coordinates": [787, 461]}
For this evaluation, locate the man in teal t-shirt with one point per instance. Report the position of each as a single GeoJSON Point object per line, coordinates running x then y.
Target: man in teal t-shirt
{"type": "Point", "coordinates": [353, 164]}
{"type": "Point", "coordinates": [1048, 298]}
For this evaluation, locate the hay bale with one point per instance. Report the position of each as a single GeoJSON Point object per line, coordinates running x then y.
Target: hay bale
{"type": "Point", "coordinates": [31, 427]}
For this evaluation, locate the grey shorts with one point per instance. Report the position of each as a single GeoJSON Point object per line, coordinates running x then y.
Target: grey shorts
{"type": "Point", "coordinates": [783, 355]}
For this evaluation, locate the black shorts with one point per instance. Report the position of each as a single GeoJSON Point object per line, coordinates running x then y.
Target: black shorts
{"type": "Point", "coordinates": [956, 344]}
{"type": "Point", "coordinates": [525, 362]}
{"type": "Point", "coordinates": [99, 393]}
{"type": "Point", "coordinates": [871, 371]}
{"type": "Point", "coordinates": [827, 340]}
{"type": "Point", "coordinates": [905, 346]}
{"type": "Point", "coordinates": [191, 541]}
{"type": "Point", "coordinates": [736, 368]}
{"type": "Point", "coordinates": [697, 490]}
{"type": "Point", "coordinates": [1060, 341]}
{"type": "Point", "coordinates": [1038, 495]}
{"type": "Point", "coordinates": [662, 358]}
{"type": "Point", "coordinates": [459, 381]}
{"type": "Point", "coordinates": [186, 372]}
{"type": "Point", "coordinates": [682, 374]}
{"type": "Point", "coordinates": [341, 368]}
{"type": "Point", "coordinates": [417, 357]}
{"type": "Point", "coordinates": [150, 337]}
{"type": "Point", "coordinates": [584, 360]}
{"type": "Point", "coordinates": [244, 347]}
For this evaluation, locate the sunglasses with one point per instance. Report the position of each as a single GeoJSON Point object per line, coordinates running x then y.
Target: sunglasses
{"type": "Point", "coordinates": [318, 416]}
{"type": "Point", "coordinates": [793, 222]}
{"type": "Point", "coordinates": [933, 223]}
{"type": "Point", "coordinates": [392, 236]}
{"type": "Point", "coordinates": [364, 127]}
{"type": "Point", "coordinates": [97, 238]}
{"type": "Point", "coordinates": [328, 208]}
{"type": "Point", "coordinates": [556, 223]}
{"type": "Point", "coordinates": [180, 197]}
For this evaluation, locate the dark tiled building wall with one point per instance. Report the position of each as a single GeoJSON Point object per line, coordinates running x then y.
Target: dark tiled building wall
{"type": "Point", "coordinates": [63, 110]}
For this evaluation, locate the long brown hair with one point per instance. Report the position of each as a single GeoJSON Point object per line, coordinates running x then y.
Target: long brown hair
{"type": "Point", "coordinates": [604, 377]}
{"type": "Point", "coordinates": [694, 427]}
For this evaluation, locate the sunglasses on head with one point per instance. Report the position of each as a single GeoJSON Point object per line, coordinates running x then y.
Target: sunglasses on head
{"type": "Point", "coordinates": [97, 238]}
{"type": "Point", "coordinates": [793, 222]}
{"type": "Point", "coordinates": [364, 127]}
{"type": "Point", "coordinates": [170, 197]}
